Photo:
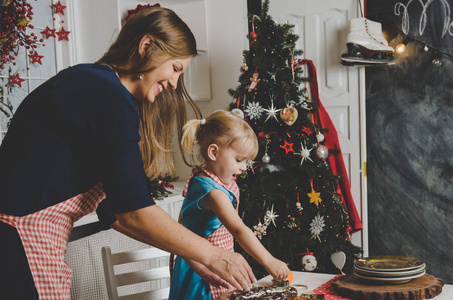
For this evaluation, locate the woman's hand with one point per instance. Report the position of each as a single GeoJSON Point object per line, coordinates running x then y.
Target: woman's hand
{"type": "Point", "coordinates": [277, 269]}
{"type": "Point", "coordinates": [207, 275]}
{"type": "Point", "coordinates": [233, 268]}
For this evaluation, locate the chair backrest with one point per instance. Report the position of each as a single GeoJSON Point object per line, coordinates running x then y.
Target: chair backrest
{"type": "Point", "coordinates": [150, 276]}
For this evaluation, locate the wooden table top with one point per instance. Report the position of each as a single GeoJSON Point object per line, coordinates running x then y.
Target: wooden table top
{"type": "Point", "coordinates": [314, 280]}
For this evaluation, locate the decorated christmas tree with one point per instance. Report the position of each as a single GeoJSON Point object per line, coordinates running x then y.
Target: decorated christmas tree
{"type": "Point", "coordinates": [290, 197]}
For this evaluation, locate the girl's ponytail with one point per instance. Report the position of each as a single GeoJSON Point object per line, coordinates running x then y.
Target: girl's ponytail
{"type": "Point", "coordinates": [189, 136]}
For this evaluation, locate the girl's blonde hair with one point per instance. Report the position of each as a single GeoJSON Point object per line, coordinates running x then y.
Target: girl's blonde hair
{"type": "Point", "coordinates": [172, 38]}
{"type": "Point", "coordinates": [222, 128]}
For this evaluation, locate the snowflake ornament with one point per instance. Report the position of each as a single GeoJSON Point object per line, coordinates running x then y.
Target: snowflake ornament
{"type": "Point", "coordinates": [317, 226]}
{"type": "Point", "coordinates": [270, 216]}
{"type": "Point", "coordinates": [304, 153]}
{"type": "Point", "coordinates": [250, 164]}
{"type": "Point", "coordinates": [254, 110]}
{"type": "Point", "coordinates": [259, 230]}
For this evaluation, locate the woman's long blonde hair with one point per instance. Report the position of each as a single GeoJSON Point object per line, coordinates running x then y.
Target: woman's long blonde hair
{"type": "Point", "coordinates": [158, 120]}
{"type": "Point", "coordinates": [222, 128]}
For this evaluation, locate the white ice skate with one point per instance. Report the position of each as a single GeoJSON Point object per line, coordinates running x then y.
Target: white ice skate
{"type": "Point", "coordinates": [366, 44]}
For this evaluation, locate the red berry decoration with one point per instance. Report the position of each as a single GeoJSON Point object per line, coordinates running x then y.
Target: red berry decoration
{"type": "Point", "coordinates": [13, 24]}
{"type": "Point", "coordinates": [253, 35]}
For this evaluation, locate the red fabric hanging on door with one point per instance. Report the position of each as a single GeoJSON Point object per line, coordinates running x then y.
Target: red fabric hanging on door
{"type": "Point", "coordinates": [331, 141]}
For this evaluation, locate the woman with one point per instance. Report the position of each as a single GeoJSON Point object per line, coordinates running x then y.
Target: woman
{"type": "Point", "coordinates": [95, 132]}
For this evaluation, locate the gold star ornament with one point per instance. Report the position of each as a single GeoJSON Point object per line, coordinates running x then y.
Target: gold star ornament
{"type": "Point", "coordinates": [314, 197]}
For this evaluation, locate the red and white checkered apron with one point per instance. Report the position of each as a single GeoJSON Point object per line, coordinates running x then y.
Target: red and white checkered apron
{"type": "Point", "coordinates": [221, 237]}
{"type": "Point", "coordinates": [45, 235]}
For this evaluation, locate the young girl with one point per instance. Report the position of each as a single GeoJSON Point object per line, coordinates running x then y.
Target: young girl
{"type": "Point", "coordinates": [225, 143]}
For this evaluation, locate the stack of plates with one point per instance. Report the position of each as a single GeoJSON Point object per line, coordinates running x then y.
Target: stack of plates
{"type": "Point", "coordinates": [389, 269]}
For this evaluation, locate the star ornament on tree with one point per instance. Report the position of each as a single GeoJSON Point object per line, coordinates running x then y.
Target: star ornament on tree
{"type": "Point", "coordinates": [15, 79]}
{"type": "Point", "coordinates": [288, 147]}
{"type": "Point", "coordinates": [63, 34]}
{"type": "Point", "coordinates": [270, 216]}
{"type": "Point", "coordinates": [307, 130]}
{"type": "Point", "coordinates": [271, 112]}
{"type": "Point", "coordinates": [314, 197]}
{"type": "Point", "coordinates": [59, 8]}
{"type": "Point", "coordinates": [304, 154]}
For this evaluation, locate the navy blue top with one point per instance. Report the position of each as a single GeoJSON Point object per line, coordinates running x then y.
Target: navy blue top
{"type": "Point", "coordinates": [78, 128]}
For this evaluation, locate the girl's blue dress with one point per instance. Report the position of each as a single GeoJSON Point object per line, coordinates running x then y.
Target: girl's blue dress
{"type": "Point", "coordinates": [185, 283]}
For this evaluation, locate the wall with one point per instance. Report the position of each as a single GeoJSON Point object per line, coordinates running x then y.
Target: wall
{"type": "Point", "coordinates": [227, 30]}
{"type": "Point", "coordinates": [410, 138]}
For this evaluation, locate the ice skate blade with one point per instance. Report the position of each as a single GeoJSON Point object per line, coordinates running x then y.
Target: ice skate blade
{"type": "Point", "coordinates": [350, 58]}
{"type": "Point", "coordinates": [356, 50]}
{"type": "Point", "coordinates": [365, 63]}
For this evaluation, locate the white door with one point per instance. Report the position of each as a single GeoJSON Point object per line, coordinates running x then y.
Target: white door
{"type": "Point", "coordinates": [322, 27]}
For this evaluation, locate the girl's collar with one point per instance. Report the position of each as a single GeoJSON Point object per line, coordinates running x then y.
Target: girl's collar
{"type": "Point", "coordinates": [232, 187]}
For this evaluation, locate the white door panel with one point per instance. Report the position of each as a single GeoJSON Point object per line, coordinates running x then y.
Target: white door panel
{"type": "Point", "coordinates": [322, 27]}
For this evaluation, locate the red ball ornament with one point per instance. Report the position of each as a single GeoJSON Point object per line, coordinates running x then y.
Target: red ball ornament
{"type": "Point", "coordinates": [253, 35]}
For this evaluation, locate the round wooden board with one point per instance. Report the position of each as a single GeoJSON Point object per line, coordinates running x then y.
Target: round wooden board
{"type": "Point", "coordinates": [424, 287]}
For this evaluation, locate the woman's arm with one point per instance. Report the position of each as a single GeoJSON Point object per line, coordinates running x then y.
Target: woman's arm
{"type": "Point", "coordinates": [199, 268]}
{"type": "Point", "coordinates": [152, 225]}
{"type": "Point", "coordinates": [220, 204]}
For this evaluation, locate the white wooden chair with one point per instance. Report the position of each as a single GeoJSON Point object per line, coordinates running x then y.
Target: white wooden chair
{"type": "Point", "coordinates": [156, 278]}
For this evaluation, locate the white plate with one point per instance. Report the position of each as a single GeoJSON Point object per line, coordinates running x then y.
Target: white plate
{"type": "Point", "coordinates": [388, 273]}
{"type": "Point", "coordinates": [396, 280]}
{"type": "Point", "coordinates": [389, 263]}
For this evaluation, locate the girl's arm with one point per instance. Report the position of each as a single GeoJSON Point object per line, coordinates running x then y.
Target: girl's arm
{"type": "Point", "coordinates": [220, 204]}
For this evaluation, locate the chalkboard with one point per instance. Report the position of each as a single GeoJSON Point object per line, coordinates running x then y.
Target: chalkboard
{"type": "Point", "coordinates": [409, 112]}
{"type": "Point", "coordinates": [429, 21]}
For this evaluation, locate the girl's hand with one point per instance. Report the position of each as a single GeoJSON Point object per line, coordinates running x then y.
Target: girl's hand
{"type": "Point", "coordinates": [277, 269]}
